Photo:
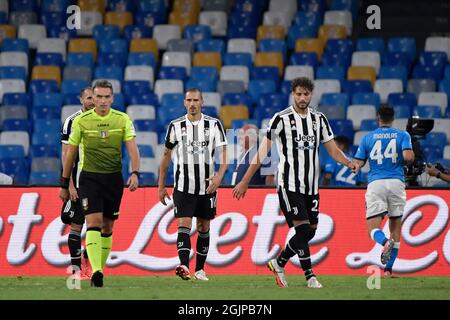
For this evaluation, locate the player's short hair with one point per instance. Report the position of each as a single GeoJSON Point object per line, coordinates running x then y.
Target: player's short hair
{"type": "Point", "coordinates": [194, 90]}
{"type": "Point", "coordinates": [386, 113]}
{"type": "Point", "coordinates": [302, 82]}
{"type": "Point", "coordinates": [103, 84]}
{"type": "Point", "coordinates": [83, 90]}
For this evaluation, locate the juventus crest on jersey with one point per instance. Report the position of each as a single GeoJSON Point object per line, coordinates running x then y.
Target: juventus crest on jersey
{"type": "Point", "coordinates": [194, 147]}
{"type": "Point", "coordinates": [298, 138]}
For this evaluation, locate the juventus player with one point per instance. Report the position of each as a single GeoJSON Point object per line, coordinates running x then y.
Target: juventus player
{"type": "Point", "coordinates": [193, 140]}
{"type": "Point", "coordinates": [297, 132]}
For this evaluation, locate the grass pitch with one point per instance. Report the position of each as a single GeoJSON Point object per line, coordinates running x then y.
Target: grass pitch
{"type": "Point", "coordinates": [259, 287]}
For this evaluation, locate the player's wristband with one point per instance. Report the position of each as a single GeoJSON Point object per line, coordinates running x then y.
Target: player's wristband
{"type": "Point", "coordinates": [136, 173]}
{"type": "Point", "coordinates": [64, 183]}
{"type": "Point", "coordinates": [438, 175]}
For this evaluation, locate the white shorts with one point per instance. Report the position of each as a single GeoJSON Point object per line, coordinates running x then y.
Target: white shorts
{"type": "Point", "coordinates": [385, 196]}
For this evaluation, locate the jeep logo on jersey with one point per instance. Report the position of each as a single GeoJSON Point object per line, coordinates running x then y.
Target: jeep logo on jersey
{"type": "Point", "coordinates": [305, 138]}
{"type": "Point", "coordinates": [200, 144]}
{"type": "Point", "coordinates": [103, 134]}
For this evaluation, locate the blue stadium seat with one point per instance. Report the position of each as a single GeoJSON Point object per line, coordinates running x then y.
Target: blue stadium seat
{"type": "Point", "coordinates": [120, 5]}
{"type": "Point", "coordinates": [61, 32]}
{"type": "Point", "coordinates": [433, 59]}
{"type": "Point", "coordinates": [275, 100]}
{"type": "Point", "coordinates": [13, 72]}
{"type": "Point", "coordinates": [285, 87]}
{"type": "Point", "coordinates": [350, 5]}
{"type": "Point", "coordinates": [197, 32]}
{"type": "Point", "coordinates": [165, 115]}
{"type": "Point", "coordinates": [353, 86]}
{"type": "Point", "coordinates": [210, 111]}
{"type": "Point", "coordinates": [145, 125]}
{"type": "Point", "coordinates": [258, 87]}
{"type": "Point", "coordinates": [172, 73]}
{"type": "Point", "coordinates": [427, 72]}
{"type": "Point", "coordinates": [24, 5]}
{"type": "Point", "coordinates": [239, 123]}
{"type": "Point", "coordinates": [137, 32]}
{"type": "Point", "coordinates": [73, 86]}
{"type": "Point", "coordinates": [17, 168]}
{"type": "Point", "coordinates": [432, 153]}
{"type": "Point", "coordinates": [304, 58]}
{"type": "Point", "coordinates": [141, 59]}
{"type": "Point", "coordinates": [203, 85]}
{"type": "Point", "coordinates": [262, 113]}
{"type": "Point", "coordinates": [46, 178]}
{"type": "Point", "coordinates": [11, 151]}
{"type": "Point", "coordinates": [265, 73]}
{"type": "Point", "coordinates": [119, 102]}
{"type": "Point", "coordinates": [45, 112]}
{"type": "Point", "coordinates": [148, 98]}
{"type": "Point", "coordinates": [368, 125]}
{"type": "Point", "coordinates": [133, 88]}
{"type": "Point", "coordinates": [401, 111]}
{"type": "Point", "coordinates": [331, 72]}
{"type": "Point", "coordinates": [337, 59]}
{"type": "Point", "coordinates": [343, 127]}
{"type": "Point", "coordinates": [149, 19]}
{"type": "Point", "coordinates": [444, 86]}
{"type": "Point", "coordinates": [273, 45]}
{"type": "Point", "coordinates": [371, 44]}
{"type": "Point", "coordinates": [319, 6]}
{"type": "Point", "coordinates": [147, 179]}
{"type": "Point", "coordinates": [53, 100]}
{"type": "Point", "coordinates": [51, 19]}
{"type": "Point", "coordinates": [403, 44]}
{"type": "Point", "coordinates": [49, 59]}
{"type": "Point", "coordinates": [15, 44]}
{"type": "Point", "coordinates": [372, 98]}
{"type": "Point", "coordinates": [112, 59]}
{"type": "Point", "coordinates": [3, 17]}
{"type": "Point", "coordinates": [146, 151]}
{"type": "Point", "coordinates": [396, 59]}
{"type": "Point", "coordinates": [169, 100]}
{"type": "Point", "coordinates": [43, 86]}
{"type": "Point", "coordinates": [335, 99]}
{"type": "Point", "coordinates": [308, 18]}
{"type": "Point", "coordinates": [438, 139]}
{"type": "Point", "coordinates": [296, 32]}
{"type": "Point", "coordinates": [80, 59]}
{"type": "Point", "coordinates": [341, 46]}
{"type": "Point", "coordinates": [238, 59]}
{"type": "Point", "coordinates": [17, 125]}
{"type": "Point", "coordinates": [247, 18]}
{"type": "Point", "coordinates": [237, 32]}
{"type": "Point", "coordinates": [211, 45]}
{"type": "Point", "coordinates": [237, 98]}
{"type": "Point", "coordinates": [427, 112]}
{"type": "Point", "coordinates": [205, 73]}
{"type": "Point", "coordinates": [108, 72]}
{"type": "Point", "coordinates": [115, 45]}
{"type": "Point", "coordinates": [394, 72]}
{"type": "Point", "coordinates": [406, 98]}
{"type": "Point", "coordinates": [17, 99]}
{"type": "Point", "coordinates": [44, 150]}
{"type": "Point", "coordinates": [101, 32]}
{"type": "Point", "coordinates": [47, 138]}
{"type": "Point", "coordinates": [155, 6]}
{"type": "Point", "coordinates": [47, 125]}
{"type": "Point", "coordinates": [447, 112]}
{"type": "Point", "coordinates": [71, 98]}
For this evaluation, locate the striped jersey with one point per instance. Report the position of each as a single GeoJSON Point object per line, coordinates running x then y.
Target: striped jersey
{"type": "Point", "coordinates": [66, 129]}
{"type": "Point", "coordinates": [297, 139]}
{"type": "Point", "coordinates": [194, 146]}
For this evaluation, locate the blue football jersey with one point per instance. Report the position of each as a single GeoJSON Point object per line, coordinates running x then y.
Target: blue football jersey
{"type": "Point", "coordinates": [383, 149]}
{"type": "Point", "coordinates": [341, 175]}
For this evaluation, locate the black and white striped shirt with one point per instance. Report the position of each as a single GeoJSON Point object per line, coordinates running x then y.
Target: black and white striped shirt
{"type": "Point", "coordinates": [65, 134]}
{"type": "Point", "coordinates": [298, 138]}
{"type": "Point", "coordinates": [194, 145]}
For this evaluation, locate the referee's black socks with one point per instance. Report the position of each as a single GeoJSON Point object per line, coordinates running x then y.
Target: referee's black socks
{"type": "Point", "coordinates": [184, 245]}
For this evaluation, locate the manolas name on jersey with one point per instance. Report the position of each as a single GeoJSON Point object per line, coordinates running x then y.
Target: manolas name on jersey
{"type": "Point", "coordinates": [101, 140]}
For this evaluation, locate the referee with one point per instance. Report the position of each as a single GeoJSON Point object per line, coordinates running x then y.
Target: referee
{"type": "Point", "coordinates": [99, 133]}
{"type": "Point", "coordinates": [193, 140]}
{"type": "Point", "coordinates": [297, 132]}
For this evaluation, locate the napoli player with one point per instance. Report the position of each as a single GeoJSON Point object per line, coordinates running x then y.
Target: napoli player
{"type": "Point", "coordinates": [387, 149]}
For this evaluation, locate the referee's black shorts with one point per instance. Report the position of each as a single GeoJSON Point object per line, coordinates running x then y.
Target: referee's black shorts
{"type": "Point", "coordinates": [298, 206]}
{"type": "Point", "coordinates": [192, 205]}
{"type": "Point", "coordinates": [101, 192]}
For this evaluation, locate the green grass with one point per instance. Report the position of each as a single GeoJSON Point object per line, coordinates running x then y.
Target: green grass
{"type": "Point", "coordinates": [225, 287]}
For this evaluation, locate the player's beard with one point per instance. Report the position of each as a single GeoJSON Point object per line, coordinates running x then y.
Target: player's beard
{"type": "Point", "coordinates": [300, 107]}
